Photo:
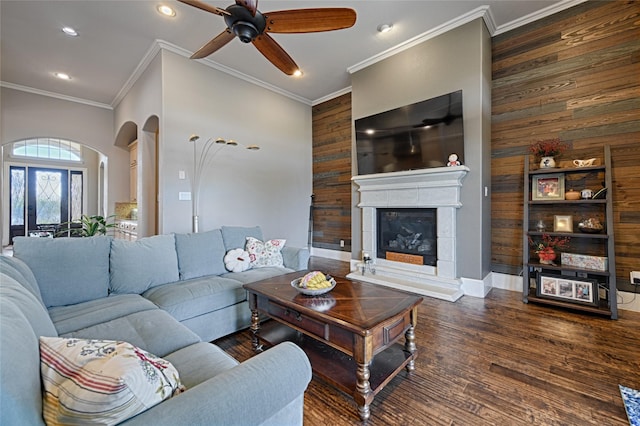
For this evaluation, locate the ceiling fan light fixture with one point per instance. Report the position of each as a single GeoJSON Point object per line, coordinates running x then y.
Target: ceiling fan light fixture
{"type": "Point", "coordinates": [166, 10]}
{"type": "Point", "coordinates": [245, 31]}
{"type": "Point", "coordinates": [385, 28]}
{"type": "Point", "coordinates": [297, 73]}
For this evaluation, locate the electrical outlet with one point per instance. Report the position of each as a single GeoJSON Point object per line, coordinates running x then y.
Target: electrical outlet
{"type": "Point", "coordinates": [341, 243]}
{"type": "Point", "coordinates": [635, 277]}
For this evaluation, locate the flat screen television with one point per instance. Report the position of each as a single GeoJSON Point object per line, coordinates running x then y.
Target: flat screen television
{"type": "Point", "coordinates": [416, 136]}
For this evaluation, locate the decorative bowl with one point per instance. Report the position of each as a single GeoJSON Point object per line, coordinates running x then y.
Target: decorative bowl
{"type": "Point", "coordinates": [310, 292]}
{"type": "Point", "coordinates": [590, 226]}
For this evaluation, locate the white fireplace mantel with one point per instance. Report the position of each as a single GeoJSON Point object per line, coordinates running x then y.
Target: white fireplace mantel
{"type": "Point", "coordinates": [437, 188]}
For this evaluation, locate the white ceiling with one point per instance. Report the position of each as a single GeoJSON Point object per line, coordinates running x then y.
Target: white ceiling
{"type": "Point", "coordinates": [116, 37]}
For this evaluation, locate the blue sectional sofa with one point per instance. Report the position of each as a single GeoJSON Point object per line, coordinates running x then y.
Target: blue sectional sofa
{"type": "Point", "coordinates": [168, 295]}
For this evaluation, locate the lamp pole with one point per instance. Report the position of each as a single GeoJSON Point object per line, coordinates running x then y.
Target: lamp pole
{"type": "Point", "coordinates": [199, 163]}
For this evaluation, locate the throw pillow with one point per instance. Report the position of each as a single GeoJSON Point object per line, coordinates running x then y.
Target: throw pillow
{"type": "Point", "coordinates": [101, 381]}
{"type": "Point", "coordinates": [263, 254]}
{"type": "Point", "coordinates": [237, 260]}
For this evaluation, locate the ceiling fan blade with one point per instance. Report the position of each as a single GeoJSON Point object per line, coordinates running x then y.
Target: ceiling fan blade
{"type": "Point", "coordinates": [310, 20]}
{"type": "Point", "coordinates": [206, 7]}
{"type": "Point", "coordinates": [275, 53]}
{"type": "Point", "coordinates": [250, 5]}
{"type": "Point", "coordinates": [219, 41]}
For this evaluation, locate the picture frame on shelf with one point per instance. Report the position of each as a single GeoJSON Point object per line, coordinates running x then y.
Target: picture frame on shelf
{"type": "Point", "coordinates": [547, 187]}
{"type": "Point", "coordinates": [568, 288]}
{"type": "Point", "coordinates": [562, 223]}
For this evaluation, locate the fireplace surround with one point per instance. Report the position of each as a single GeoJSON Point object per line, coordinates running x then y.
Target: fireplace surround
{"type": "Point", "coordinates": [434, 188]}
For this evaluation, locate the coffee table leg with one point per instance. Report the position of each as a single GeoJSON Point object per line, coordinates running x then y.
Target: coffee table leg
{"type": "Point", "coordinates": [410, 340]}
{"type": "Point", "coordinates": [255, 328]}
{"type": "Point", "coordinates": [363, 390]}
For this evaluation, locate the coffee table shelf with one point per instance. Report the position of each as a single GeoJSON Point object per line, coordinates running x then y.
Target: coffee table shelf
{"type": "Point", "coordinates": [335, 366]}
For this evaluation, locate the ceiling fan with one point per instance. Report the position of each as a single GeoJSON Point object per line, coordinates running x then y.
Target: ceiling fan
{"type": "Point", "coordinates": [245, 21]}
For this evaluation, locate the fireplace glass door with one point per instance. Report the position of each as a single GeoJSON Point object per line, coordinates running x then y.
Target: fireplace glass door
{"type": "Point", "coordinates": [407, 235]}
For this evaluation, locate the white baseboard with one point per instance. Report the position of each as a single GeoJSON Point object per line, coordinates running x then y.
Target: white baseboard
{"type": "Point", "coordinates": [626, 301]}
{"type": "Point", "coordinates": [331, 254]}
{"type": "Point", "coordinates": [480, 288]}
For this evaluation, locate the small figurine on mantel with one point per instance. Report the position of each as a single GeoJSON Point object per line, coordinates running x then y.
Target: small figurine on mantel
{"type": "Point", "coordinates": [453, 160]}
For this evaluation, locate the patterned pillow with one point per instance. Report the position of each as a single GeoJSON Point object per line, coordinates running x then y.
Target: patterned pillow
{"type": "Point", "coordinates": [263, 254]}
{"type": "Point", "coordinates": [101, 381]}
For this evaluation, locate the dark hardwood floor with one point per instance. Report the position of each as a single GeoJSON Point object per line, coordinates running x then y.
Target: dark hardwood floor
{"type": "Point", "coordinates": [493, 361]}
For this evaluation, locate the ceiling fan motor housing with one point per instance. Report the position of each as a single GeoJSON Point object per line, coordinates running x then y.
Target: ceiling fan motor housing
{"type": "Point", "coordinates": [243, 24]}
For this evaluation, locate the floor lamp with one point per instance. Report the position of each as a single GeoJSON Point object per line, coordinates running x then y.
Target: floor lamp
{"type": "Point", "coordinates": [201, 158]}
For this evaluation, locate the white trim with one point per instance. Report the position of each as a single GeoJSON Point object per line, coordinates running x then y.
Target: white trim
{"type": "Point", "coordinates": [626, 301]}
{"type": "Point", "coordinates": [480, 12]}
{"type": "Point", "coordinates": [53, 95]}
{"type": "Point", "coordinates": [159, 45]}
{"type": "Point", "coordinates": [542, 13]}
{"type": "Point", "coordinates": [331, 254]}
{"type": "Point", "coordinates": [331, 96]}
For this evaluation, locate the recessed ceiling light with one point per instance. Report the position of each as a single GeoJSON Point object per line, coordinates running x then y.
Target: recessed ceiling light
{"type": "Point", "coordinates": [297, 73]}
{"type": "Point", "coordinates": [62, 76]}
{"type": "Point", "coordinates": [69, 31]}
{"type": "Point", "coordinates": [385, 28]}
{"type": "Point", "coordinates": [166, 10]}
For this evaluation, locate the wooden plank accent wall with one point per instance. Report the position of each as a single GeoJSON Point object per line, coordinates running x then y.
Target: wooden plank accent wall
{"type": "Point", "coordinates": [573, 75]}
{"type": "Point", "coordinates": [332, 173]}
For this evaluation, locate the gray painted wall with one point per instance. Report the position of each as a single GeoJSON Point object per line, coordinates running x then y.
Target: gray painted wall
{"type": "Point", "coordinates": [458, 59]}
{"type": "Point", "coordinates": [25, 115]}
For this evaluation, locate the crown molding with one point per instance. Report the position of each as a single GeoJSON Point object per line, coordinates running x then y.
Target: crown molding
{"type": "Point", "coordinates": [480, 12]}
{"type": "Point", "coordinates": [542, 13]}
{"type": "Point", "coordinates": [53, 95]}
{"type": "Point", "coordinates": [331, 96]}
{"type": "Point", "coordinates": [159, 45]}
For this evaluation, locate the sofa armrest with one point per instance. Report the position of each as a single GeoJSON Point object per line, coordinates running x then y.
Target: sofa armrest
{"type": "Point", "coordinates": [295, 258]}
{"type": "Point", "coordinates": [248, 394]}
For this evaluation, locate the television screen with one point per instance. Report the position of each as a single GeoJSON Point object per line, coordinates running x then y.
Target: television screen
{"type": "Point", "coordinates": [416, 136]}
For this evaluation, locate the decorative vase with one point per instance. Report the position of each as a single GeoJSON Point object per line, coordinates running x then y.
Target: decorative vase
{"type": "Point", "coordinates": [547, 162]}
{"type": "Point", "coordinates": [547, 256]}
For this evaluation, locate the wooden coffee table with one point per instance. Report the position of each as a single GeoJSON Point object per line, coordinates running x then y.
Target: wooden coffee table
{"type": "Point", "coordinates": [349, 334]}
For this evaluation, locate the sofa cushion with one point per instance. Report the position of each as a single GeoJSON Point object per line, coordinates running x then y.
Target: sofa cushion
{"type": "Point", "coordinates": [139, 265]}
{"type": "Point", "coordinates": [198, 363]}
{"type": "Point", "coordinates": [101, 381]}
{"type": "Point", "coordinates": [82, 315]}
{"type": "Point", "coordinates": [200, 254]}
{"type": "Point", "coordinates": [20, 393]}
{"type": "Point", "coordinates": [257, 274]}
{"type": "Point", "coordinates": [20, 272]}
{"type": "Point", "coordinates": [191, 298]}
{"type": "Point", "coordinates": [265, 253]}
{"type": "Point", "coordinates": [68, 270]}
{"type": "Point", "coordinates": [32, 309]}
{"type": "Point", "coordinates": [154, 331]}
{"type": "Point", "coordinates": [236, 236]}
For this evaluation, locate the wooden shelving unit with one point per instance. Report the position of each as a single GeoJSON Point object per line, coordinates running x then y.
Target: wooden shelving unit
{"type": "Point", "coordinates": [599, 244]}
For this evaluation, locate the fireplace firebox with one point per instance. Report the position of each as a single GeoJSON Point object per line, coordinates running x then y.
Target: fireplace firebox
{"type": "Point", "coordinates": [407, 235]}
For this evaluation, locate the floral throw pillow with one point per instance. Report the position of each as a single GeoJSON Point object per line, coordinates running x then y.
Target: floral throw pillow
{"type": "Point", "coordinates": [101, 381]}
{"type": "Point", "coordinates": [267, 253]}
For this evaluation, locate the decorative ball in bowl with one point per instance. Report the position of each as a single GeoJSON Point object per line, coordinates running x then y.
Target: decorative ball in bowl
{"type": "Point", "coordinates": [590, 226]}
{"type": "Point", "coordinates": [314, 283]}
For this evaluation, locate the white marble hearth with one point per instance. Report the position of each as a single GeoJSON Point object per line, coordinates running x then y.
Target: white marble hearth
{"type": "Point", "coordinates": [437, 188]}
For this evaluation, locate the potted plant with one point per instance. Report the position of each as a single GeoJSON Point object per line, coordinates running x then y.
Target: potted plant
{"type": "Point", "coordinates": [546, 248]}
{"type": "Point", "coordinates": [546, 150]}
{"type": "Point", "coordinates": [88, 226]}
